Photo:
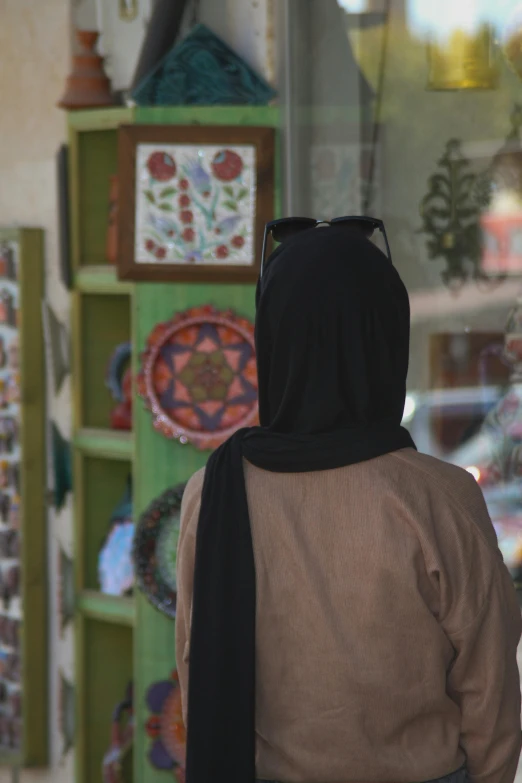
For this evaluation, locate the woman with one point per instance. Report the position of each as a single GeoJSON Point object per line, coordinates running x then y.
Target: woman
{"type": "Point", "coordinates": [348, 617]}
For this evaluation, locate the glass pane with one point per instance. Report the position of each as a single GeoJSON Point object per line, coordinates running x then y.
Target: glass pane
{"type": "Point", "coordinates": [411, 111]}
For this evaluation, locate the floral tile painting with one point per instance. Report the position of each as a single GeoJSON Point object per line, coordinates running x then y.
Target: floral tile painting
{"type": "Point", "coordinates": [195, 204]}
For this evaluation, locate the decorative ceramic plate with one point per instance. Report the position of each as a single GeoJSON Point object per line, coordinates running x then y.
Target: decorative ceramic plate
{"type": "Point", "coordinates": [155, 550]}
{"type": "Point", "coordinates": [199, 376]}
{"type": "Point", "coordinates": [165, 727]}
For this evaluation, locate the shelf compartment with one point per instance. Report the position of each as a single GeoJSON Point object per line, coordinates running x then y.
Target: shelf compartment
{"type": "Point", "coordinates": [99, 485]}
{"type": "Point", "coordinates": [106, 669]}
{"type": "Point", "coordinates": [106, 608]}
{"type": "Point", "coordinates": [105, 444]}
{"type": "Point", "coordinates": [101, 279]}
{"type": "Point", "coordinates": [101, 323]}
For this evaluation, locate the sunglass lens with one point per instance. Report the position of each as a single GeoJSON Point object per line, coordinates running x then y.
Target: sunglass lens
{"type": "Point", "coordinates": [283, 231]}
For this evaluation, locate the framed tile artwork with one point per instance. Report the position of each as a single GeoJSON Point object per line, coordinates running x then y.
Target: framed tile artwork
{"type": "Point", "coordinates": [193, 201]}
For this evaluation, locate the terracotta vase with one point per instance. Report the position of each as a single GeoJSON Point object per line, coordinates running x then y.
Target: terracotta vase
{"type": "Point", "coordinates": [111, 247]}
{"type": "Point", "coordinates": [87, 87]}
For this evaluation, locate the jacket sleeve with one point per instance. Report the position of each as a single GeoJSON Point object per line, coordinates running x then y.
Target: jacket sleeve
{"type": "Point", "coordinates": [484, 682]}
{"type": "Point", "coordinates": [185, 580]}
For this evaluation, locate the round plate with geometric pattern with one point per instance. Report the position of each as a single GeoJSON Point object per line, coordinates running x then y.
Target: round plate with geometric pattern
{"type": "Point", "coordinates": [155, 548]}
{"type": "Point", "coordinates": [199, 376]}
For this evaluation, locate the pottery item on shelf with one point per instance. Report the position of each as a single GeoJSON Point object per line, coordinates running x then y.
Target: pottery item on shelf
{"type": "Point", "coordinates": [122, 737]}
{"type": "Point", "coordinates": [111, 248]}
{"type": "Point", "coordinates": [201, 70]}
{"type": "Point", "coordinates": [115, 567]}
{"type": "Point", "coordinates": [119, 382]}
{"type": "Point", "coordinates": [87, 86]}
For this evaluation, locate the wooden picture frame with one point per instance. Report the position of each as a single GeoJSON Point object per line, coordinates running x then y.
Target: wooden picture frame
{"type": "Point", "coordinates": [200, 212]}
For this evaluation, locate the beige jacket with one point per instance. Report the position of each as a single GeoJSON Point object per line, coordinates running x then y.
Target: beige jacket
{"type": "Point", "coordinates": [387, 624]}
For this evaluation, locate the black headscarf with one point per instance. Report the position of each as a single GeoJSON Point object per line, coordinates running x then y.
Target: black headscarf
{"type": "Point", "coordinates": [332, 342]}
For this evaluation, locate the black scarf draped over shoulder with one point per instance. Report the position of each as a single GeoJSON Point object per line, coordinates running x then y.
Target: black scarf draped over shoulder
{"type": "Point", "coordinates": [332, 342]}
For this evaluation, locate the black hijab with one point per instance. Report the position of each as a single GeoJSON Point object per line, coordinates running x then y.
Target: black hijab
{"type": "Point", "coordinates": [332, 342]}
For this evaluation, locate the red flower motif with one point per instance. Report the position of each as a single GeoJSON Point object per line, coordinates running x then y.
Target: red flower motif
{"type": "Point", "coordinates": [222, 251]}
{"type": "Point", "coordinates": [238, 241]}
{"type": "Point", "coordinates": [227, 165]}
{"type": "Point", "coordinates": [161, 252]}
{"type": "Point", "coordinates": [187, 216]}
{"type": "Point", "coordinates": [150, 245]}
{"type": "Point", "coordinates": [188, 235]}
{"type": "Point", "coordinates": [184, 184]}
{"type": "Point", "coordinates": [184, 200]}
{"type": "Point", "coordinates": [153, 726]}
{"type": "Point", "coordinates": [161, 166]}
{"type": "Point", "coordinates": [206, 194]}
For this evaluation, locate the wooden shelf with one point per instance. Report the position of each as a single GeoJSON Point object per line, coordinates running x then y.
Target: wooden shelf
{"type": "Point", "coordinates": [101, 280]}
{"type": "Point", "coordinates": [110, 444]}
{"type": "Point", "coordinates": [107, 608]}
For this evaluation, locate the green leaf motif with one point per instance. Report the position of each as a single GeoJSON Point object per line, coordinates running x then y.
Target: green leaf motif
{"type": "Point", "coordinates": [166, 207]}
{"type": "Point", "coordinates": [149, 195]}
{"type": "Point", "coordinates": [229, 190]}
{"type": "Point", "coordinates": [168, 192]}
{"type": "Point", "coordinates": [230, 205]}
{"type": "Point", "coordinates": [242, 193]}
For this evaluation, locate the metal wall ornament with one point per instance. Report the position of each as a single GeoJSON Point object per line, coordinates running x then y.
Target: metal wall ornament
{"type": "Point", "coordinates": [155, 550]}
{"type": "Point", "coordinates": [199, 376]}
{"type": "Point", "coordinates": [450, 218]}
{"type": "Point", "coordinates": [165, 727]}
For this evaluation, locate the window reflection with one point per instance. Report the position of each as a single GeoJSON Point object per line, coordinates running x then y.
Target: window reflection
{"type": "Point", "coordinates": [375, 112]}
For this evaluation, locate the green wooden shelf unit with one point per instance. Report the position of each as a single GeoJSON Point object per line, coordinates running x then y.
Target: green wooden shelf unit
{"type": "Point", "coordinates": [23, 517]}
{"type": "Point", "coordinates": [118, 639]}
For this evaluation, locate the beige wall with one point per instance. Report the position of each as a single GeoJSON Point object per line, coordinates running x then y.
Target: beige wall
{"type": "Point", "coordinates": [34, 59]}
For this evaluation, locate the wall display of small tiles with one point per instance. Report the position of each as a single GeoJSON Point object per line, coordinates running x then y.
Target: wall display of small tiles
{"type": "Point", "coordinates": [23, 664]}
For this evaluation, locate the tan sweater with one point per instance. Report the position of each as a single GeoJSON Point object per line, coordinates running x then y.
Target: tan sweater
{"type": "Point", "coordinates": [387, 624]}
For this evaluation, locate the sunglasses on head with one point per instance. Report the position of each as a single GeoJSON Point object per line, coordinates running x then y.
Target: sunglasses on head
{"type": "Point", "coordinates": [283, 229]}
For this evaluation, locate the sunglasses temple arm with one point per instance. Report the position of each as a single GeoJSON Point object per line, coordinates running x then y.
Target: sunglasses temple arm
{"type": "Point", "coordinates": [263, 251]}
{"type": "Point", "coordinates": [387, 244]}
